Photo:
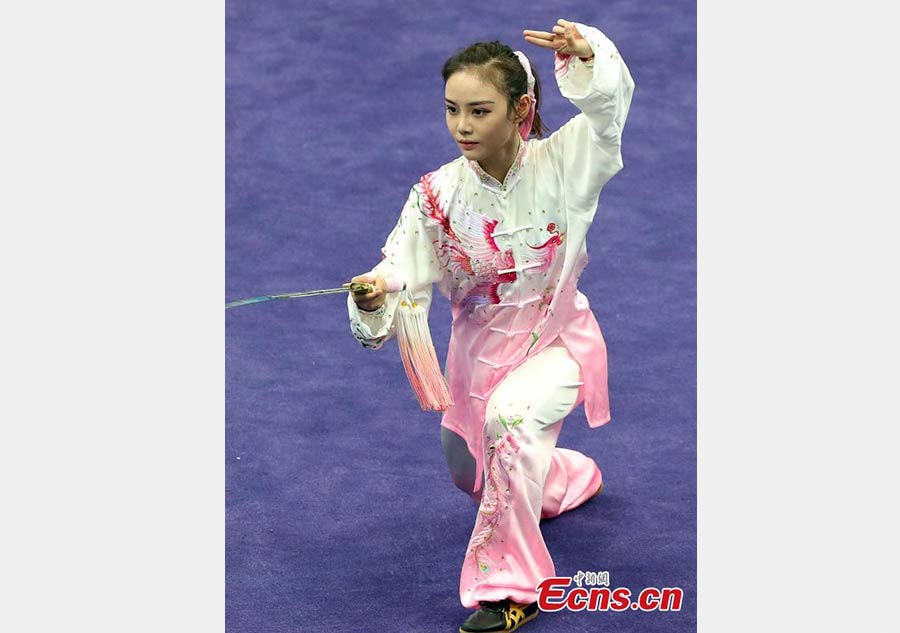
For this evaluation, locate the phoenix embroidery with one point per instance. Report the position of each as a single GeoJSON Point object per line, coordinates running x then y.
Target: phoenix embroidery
{"type": "Point", "coordinates": [471, 251]}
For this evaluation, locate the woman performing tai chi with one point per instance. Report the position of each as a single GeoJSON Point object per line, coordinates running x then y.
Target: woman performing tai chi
{"type": "Point", "coordinates": [501, 231]}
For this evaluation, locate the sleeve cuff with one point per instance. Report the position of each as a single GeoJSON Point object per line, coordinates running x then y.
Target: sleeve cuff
{"type": "Point", "coordinates": [368, 316]}
{"type": "Point", "coordinates": [372, 314]}
{"type": "Point", "coordinates": [577, 78]}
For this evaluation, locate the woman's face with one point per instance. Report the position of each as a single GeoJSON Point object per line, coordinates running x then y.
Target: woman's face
{"type": "Point", "coordinates": [477, 117]}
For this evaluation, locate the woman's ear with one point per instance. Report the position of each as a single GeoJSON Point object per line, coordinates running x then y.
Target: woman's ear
{"type": "Point", "coordinates": [522, 107]}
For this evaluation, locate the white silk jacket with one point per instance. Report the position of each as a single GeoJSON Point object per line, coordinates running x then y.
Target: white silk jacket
{"type": "Point", "coordinates": [508, 255]}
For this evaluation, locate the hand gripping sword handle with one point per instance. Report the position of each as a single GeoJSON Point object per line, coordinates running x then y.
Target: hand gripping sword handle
{"type": "Point", "coordinates": [391, 285]}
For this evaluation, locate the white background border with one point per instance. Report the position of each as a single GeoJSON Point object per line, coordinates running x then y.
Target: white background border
{"type": "Point", "coordinates": [111, 245]}
{"type": "Point", "coordinates": [112, 253]}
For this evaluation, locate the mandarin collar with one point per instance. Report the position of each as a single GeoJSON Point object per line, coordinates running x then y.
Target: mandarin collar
{"type": "Point", "coordinates": [512, 176]}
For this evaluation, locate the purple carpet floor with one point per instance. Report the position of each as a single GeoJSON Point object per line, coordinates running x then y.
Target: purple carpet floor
{"type": "Point", "coordinates": [340, 512]}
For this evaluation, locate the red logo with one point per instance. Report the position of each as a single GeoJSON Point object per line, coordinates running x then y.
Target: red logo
{"type": "Point", "coordinates": [553, 597]}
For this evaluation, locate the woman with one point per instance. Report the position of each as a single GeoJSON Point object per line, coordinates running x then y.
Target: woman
{"type": "Point", "coordinates": [501, 231]}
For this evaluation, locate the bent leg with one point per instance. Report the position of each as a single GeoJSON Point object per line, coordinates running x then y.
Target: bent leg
{"type": "Point", "coordinates": [507, 557]}
{"type": "Point", "coordinates": [572, 479]}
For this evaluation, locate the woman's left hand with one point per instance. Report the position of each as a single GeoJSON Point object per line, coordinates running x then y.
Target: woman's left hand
{"type": "Point", "coordinates": [565, 39]}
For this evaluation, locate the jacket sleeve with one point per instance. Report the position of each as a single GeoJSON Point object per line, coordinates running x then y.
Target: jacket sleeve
{"type": "Point", "coordinates": [410, 257]}
{"type": "Point", "coordinates": [586, 151]}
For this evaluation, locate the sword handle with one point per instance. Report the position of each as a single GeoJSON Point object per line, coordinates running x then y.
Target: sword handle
{"type": "Point", "coordinates": [391, 286]}
{"type": "Point", "coordinates": [360, 288]}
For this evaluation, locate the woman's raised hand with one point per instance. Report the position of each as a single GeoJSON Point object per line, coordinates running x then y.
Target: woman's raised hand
{"type": "Point", "coordinates": [370, 300]}
{"type": "Point", "coordinates": [565, 39]}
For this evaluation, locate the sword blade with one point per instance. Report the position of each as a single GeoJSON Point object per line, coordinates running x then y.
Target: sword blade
{"type": "Point", "coordinates": [309, 293]}
{"type": "Point", "coordinates": [359, 288]}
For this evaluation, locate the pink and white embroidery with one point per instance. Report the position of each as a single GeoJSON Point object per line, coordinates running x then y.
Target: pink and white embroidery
{"type": "Point", "coordinates": [430, 204]}
{"type": "Point", "coordinates": [561, 65]}
{"type": "Point", "coordinates": [469, 250]}
{"type": "Point", "coordinates": [546, 252]}
{"type": "Point", "coordinates": [494, 501]}
{"type": "Point", "coordinates": [476, 254]}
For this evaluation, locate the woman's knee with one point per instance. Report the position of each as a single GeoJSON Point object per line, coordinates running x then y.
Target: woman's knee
{"type": "Point", "coordinates": [534, 406]}
{"type": "Point", "coordinates": [459, 460]}
{"type": "Point", "coordinates": [541, 392]}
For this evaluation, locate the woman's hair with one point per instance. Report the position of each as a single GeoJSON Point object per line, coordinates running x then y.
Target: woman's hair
{"type": "Point", "coordinates": [498, 64]}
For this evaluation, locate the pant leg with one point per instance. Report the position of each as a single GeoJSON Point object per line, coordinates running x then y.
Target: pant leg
{"type": "Point", "coordinates": [506, 556]}
{"type": "Point", "coordinates": [573, 478]}
{"type": "Point", "coordinates": [460, 462]}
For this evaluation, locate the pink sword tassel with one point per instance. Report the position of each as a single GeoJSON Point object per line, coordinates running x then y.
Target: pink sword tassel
{"type": "Point", "coordinates": [417, 352]}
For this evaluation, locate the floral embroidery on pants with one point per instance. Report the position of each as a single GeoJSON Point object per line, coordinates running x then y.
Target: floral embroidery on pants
{"type": "Point", "coordinates": [495, 499]}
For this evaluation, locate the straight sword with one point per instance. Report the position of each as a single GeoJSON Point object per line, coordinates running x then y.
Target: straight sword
{"type": "Point", "coordinates": [356, 288]}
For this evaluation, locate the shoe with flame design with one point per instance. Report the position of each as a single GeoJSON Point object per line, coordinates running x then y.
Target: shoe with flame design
{"type": "Point", "coordinates": [502, 616]}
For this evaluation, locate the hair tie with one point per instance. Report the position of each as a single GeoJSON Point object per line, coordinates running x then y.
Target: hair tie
{"type": "Point", "coordinates": [525, 125]}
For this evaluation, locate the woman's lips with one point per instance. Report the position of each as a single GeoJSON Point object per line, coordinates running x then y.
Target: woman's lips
{"type": "Point", "coordinates": [467, 144]}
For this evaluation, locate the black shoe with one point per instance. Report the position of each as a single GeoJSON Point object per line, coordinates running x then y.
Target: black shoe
{"type": "Point", "coordinates": [499, 616]}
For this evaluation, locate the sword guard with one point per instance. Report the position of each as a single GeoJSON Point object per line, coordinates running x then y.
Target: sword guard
{"type": "Point", "coordinates": [360, 288]}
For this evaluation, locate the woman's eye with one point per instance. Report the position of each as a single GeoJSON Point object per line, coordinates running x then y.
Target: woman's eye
{"type": "Point", "coordinates": [451, 109]}
{"type": "Point", "coordinates": [479, 111]}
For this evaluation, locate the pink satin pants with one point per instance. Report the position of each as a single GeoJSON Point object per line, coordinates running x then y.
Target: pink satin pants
{"type": "Point", "coordinates": [526, 478]}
